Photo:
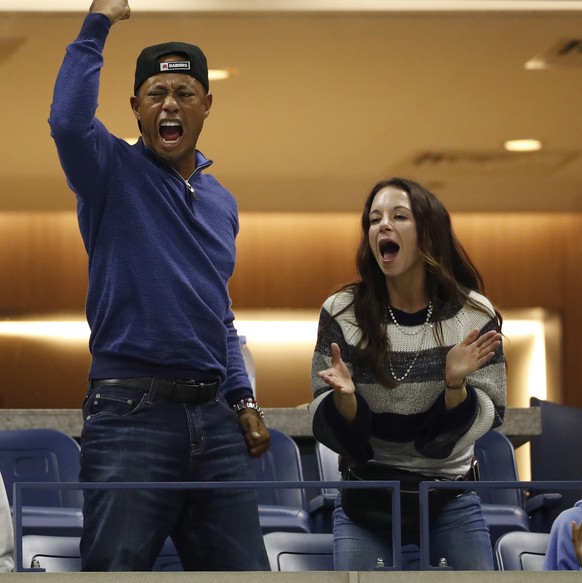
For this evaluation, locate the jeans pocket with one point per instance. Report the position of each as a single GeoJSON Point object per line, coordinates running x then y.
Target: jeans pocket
{"type": "Point", "coordinates": [113, 401]}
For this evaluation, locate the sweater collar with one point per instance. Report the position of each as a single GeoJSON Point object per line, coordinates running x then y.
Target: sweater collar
{"type": "Point", "coordinates": [201, 160]}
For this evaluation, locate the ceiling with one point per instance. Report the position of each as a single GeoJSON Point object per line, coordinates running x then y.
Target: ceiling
{"type": "Point", "coordinates": [326, 102]}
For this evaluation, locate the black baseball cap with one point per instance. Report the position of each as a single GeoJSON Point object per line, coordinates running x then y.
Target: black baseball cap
{"type": "Point", "coordinates": [148, 63]}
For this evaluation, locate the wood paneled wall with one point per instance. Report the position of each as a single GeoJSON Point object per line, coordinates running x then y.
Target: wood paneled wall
{"type": "Point", "coordinates": [293, 260]}
{"type": "Point", "coordinates": [43, 265]}
{"type": "Point", "coordinates": [296, 260]}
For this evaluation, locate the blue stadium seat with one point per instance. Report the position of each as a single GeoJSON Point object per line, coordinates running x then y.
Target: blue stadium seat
{"type": "Point", "coordinates": [556, 455]}
{"type": "Point", "coordinates": [299, 551]}
{"type": "Point", "coordinates": [281, 509]}
{"type": "Point", "coordinates": [43, 455]}
{"type": "Point", "coordinates": [40, 455]}
{"type": "Point", "coordinates": [295, 551]}
{"type": "Point", "coordinates": [321, 506]}
{"type": "Point", "coordinates": [521, 551]}
{"type": "Point", "coordinates": [504, 509]}
{"type": "Point", "coordinates": [61, 554]}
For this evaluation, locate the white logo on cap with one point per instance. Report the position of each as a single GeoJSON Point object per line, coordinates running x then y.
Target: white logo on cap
{"type": "Point", "coordinates": [175, 65]}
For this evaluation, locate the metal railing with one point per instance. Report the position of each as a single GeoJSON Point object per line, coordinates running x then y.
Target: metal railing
{"type": "Point", "coordinates": [18, 487]}
{"type": "Point", "coordinates": [392, 486]}
{"type": "Point", "coordinates": [476, 486]}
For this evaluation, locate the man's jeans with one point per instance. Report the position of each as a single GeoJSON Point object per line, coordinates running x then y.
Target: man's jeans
{"type": "Point", "coordinates": [460, 534]}
{"type": "Point", "coordinates": [131, 436]}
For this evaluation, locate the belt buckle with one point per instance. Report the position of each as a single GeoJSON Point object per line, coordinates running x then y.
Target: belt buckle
{"type": "Point", "coordinates": [188, 382]}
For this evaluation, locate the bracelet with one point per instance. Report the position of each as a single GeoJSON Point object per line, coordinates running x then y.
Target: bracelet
{"type": "Point", "coordinates": [461, 385]}
{"type": "Point", "coordinates": [248, 403]}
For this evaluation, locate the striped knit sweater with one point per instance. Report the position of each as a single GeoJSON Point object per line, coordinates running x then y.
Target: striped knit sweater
{"type": "Point", "coordinates": [408, 427]}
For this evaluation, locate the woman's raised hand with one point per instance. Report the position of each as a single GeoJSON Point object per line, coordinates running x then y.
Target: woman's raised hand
{"type": "Point", "coordinates": [338, 377]}
{"type": "Point", "coordinates": [470, 354]}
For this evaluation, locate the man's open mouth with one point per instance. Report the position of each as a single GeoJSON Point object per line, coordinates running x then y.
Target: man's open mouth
{"type": "Point", "coordinates": [389, 250]}
{"type": "Point", "coordinates": [171, 131]}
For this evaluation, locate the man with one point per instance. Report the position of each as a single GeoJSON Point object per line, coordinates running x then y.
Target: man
{"type": "Point", "coordinates": [564, 552]}
{"type": "Point", "coordinates": [168, 399]}
{"type": "Point", "coordinates": [577, 541]}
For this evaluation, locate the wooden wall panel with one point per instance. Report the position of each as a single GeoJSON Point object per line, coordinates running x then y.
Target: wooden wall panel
{"type": "Point", "coordinates": [294, 261]}
{"type": "Point", "coordinates": [41, 373]}
{"type": "Point", "coordinates": [43, 264]}
{"type": "Point", "coordinates": [520, 257]}
{"type": "Point", "coordinates": [570, 291]}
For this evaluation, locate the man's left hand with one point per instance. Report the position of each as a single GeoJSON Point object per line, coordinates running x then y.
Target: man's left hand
{"type": "Point", "coordinates": [255, 432]}
{"type": "Point", "coordinates": [577, 540]}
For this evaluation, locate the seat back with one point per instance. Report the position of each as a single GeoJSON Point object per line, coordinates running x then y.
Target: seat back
{"type": "Point", "coordinates": [554, 453]}
{"type": "Point", "coordinates": [61, 554]}
{"type": "Point", "coordinates": [51, 553]}
{"type": "Point", "coordinates": [496, 457]}
{"type": "Point", "coordinates": [281, 462]}
{"type": "Point", "coordinates": [521, 551]}
{"type": "Point", "coordinates": [327, 465]}
{"type": "Point", "coordinates": [293, 551]}
{"type": "Point", "coordinates": [322, 504]}
{"type": "Point", "coordinates": [40, 455]}
{"type": "Point", "coordinates": [503, 508]}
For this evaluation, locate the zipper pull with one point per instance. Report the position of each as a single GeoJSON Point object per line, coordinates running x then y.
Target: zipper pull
{"type": "Point", "coordinates": [191, 189]}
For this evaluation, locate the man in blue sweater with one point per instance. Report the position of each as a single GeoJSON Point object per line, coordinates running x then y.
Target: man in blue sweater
{"type": "Point", "coordinates": [564, 552]}
{"type": "Point", "coordinates": [169, 399]}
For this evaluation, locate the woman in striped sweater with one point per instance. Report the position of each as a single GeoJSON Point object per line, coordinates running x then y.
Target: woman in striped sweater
{"type": "Point", "coordinates": [408, 372]}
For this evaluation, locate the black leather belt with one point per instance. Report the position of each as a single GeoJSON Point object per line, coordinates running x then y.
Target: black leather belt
{"type": "Point", "coordinates": [181, 390]}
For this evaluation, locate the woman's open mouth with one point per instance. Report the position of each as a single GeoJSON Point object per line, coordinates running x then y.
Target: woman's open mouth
{"type": "Point", "coordinates": [389, 250]}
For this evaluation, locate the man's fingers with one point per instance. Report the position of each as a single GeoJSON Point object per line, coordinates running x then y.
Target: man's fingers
{"type": "Point", "coordinates": [258, 442]}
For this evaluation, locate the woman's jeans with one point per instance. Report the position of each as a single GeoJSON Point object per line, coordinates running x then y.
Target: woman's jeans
{"type": "Point", "coordinates": [131, 436]}
{"type": "Point", "coordinates": [460, 534]}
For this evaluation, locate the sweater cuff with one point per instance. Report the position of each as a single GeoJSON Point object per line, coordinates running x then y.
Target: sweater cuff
{"type": "Point", "coordinates": [235, 395]}
{"type": "Point", "coordinates": [353, 437]}
{"type": "Point", "coordinates": [95, 27]}
{"type": "Point", "coordinates": [443, 428]}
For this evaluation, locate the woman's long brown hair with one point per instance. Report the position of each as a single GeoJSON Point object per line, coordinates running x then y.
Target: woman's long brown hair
{"type": "Point", "coordinates": [450, 275]}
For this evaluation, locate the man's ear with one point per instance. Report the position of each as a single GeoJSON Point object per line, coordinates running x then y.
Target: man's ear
{"type": "Point", "coordinates": [134, 102]}
{"type": "Point", "coordinates": [207, 103]}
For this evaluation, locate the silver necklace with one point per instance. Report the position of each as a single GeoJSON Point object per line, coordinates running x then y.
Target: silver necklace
{"type": "Point", "coordinates": [424, 330]}
{"type": "Point", "coordinates": [403, 328]}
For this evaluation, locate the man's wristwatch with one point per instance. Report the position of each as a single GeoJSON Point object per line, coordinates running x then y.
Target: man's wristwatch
{"type": "Point", "coordinates": [248, 403]}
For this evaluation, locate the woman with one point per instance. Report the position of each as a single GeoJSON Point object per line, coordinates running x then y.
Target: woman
{"type": "Point", "coordinates": [408, 372]}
